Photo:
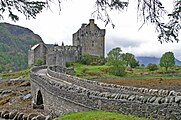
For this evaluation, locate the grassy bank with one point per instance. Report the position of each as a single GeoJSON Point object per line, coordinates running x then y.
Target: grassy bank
{"type": "Point", "coordinates": [139, 73]}
{"type": "Point", "coordinates": [24, 74]}
{"type": "Point", "coordinates": [98, 115]}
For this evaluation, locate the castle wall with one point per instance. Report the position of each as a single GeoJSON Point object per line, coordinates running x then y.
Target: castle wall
{"type": "Point", "coordinates": [91, 38]}
{"type": "Point", "coordinates": [142, 102]}
{"type": "Point", "coordinates": [38, 51]}
{"type": "Point", "coordinates": [62, 54]}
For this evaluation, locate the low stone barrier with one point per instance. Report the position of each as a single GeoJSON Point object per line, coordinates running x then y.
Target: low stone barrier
{"type": "Point", "coordinates": [15, 115]}
{"type": "Point", "coordinates": [157, 104]}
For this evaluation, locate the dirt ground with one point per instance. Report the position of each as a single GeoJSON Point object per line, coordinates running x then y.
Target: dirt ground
{"type": "Point", "coordinates": [12, 96]}
{"type": "Point", "coordinates": [154, 83]}
{"type": "Point", "coordinates": [12, 92]}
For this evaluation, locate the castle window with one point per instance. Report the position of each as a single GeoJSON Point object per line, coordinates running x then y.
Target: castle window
{"type": "Point", "coordinates": [93, 43]}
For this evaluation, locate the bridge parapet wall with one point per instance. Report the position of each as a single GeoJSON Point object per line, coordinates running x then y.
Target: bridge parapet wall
{"type": "Point", "coordinates": [82, 99]}
{"type": "Point", "coordinates": [95, 85]}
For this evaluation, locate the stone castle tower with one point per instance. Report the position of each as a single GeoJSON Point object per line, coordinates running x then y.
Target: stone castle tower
{"type": "Point", "coordinates": [88, 39]}
{"type": "Point", "coordinates": [91, 38]}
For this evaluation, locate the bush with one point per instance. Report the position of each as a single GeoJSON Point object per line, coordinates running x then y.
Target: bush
{"type": "Point", "coordinates": [38, 61]}
{"type": "Point", "coordinates": [152, 67]}
{"type": "Point", "coordinates": [118, 70]}
{"type": "Point", "coordinates": [69, 64]}
{"type": "Point", "coordinates": [86, 59]}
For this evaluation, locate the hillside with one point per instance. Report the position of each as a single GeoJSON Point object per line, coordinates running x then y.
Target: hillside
{"type": "Point", "coordinates": [153, 60]}
{"type": "Point", "coordinates": [14, 44]}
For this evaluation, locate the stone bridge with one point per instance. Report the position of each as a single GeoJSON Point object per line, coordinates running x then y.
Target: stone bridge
{"type": "Point", "coordinates": [57, 92]}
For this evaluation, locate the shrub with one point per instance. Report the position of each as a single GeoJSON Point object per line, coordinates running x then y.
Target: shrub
{"type": "Point", "coordinates": [38, 61]}
{"type": "Point", "coordinates": [152, 67]}
{"type": "Point", "coordinates": [86, 59]}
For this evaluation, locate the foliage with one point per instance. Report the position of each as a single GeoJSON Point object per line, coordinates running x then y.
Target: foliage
{"type": "Point", "coordinates": [91, 59]}
{"type": "Point", "coordinates": [118, 68]}
{"type": "Point", "coordinates": [102, 72]}
{"type": "Point", "coordinates": [23, 73]}
{"type": "Point", "coordinates": [14, 44]}
{"type": "Point", "coordinates": [148, 11]}
{"type": "Point", "coordinates": [167, 60]}
{"type": "Point", "coordinates": [28, 8]}
{"type": "Point", "coordinates": [130, 60]}
{"type": "Point", "coordinates": [152, 67]}
{"type": "Point", "coordinates": [86, 59]}
{"type": "Point", "coordinates": [98, 115]}
{"type": "Point", "coordinates": [116, 61]}
{"type": "Point", "coordinates": [38, 61]}
{"type": "Point", "coordinates": [97, 60]}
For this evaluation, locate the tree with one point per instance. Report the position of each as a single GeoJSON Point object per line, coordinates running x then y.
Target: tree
{"type": "Point", "coordinates": [148, 10]}
{"type": "Point", "coordinates": [167, 60]}
{"type": "Point", "coordinates": [130, 60]}
{"type": "Point", "coordinates": [86, 59]}
{"type": "Point", "coordinates": [116, 62]}
{"type": "Point", "coordinates": [152, 67]}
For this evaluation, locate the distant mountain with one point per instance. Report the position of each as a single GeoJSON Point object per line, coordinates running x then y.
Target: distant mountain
{"type": "Point", "coordinates": [153, 60]}
{"type": "Point", "coordinates": [14, 44]}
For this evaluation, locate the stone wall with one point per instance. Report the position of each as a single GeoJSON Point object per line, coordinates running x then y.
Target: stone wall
{"type": "Point", "coordinates": [64, 93]}
{"type": "Point", "coordinates": [91, 38]}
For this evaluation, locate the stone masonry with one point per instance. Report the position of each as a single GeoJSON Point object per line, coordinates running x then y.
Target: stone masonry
{"type": "Point", "coordinates": [91, 38]}
{"type": "Point", "coordinates": [63, 93]}
{"type": "Point", "coordinates": [88, 39]}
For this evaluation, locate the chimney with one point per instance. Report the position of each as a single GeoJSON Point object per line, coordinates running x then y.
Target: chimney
{"type": "Point", "coordinates": [83, 25]}
{"type": "Point", "coordinates": [91, 24]}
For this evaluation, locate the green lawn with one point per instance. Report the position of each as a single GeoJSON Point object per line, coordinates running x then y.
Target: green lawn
{"type": "Point", "coordinates": [140, 73]}
{"type": "Point", "coordinates": [98, 115]}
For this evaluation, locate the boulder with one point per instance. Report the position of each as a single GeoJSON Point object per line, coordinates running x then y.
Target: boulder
{"type": "Point", "coordinates": [3, 113]}
{"type": "Point", "coordinates": [16, 116]}
{"type": "Point", "coordinates": [48, 117]}
{"type": "Point", "coordinates": [41, 117]}
{"type": "Point", "coordinates": [6, 116]}
{"type": "Point", "coordinates": [20, 116]}
{"type": "Point", "coordinates": [12, 114]}
{"type": "Point", "coordinates": [31, 115]}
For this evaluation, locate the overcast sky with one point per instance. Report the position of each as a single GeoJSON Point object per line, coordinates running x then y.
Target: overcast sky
{"type": "Point", "coordinates": [55, 27]}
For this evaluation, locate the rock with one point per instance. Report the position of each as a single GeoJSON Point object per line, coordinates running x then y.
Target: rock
{"type": "Point", "coordinates": [20, 116]}
{"type": "Point", "coordinates": [25, 84]}
{"type": "Point", "coordinates": [131, 98]}
{"type": "Point", "coordinates": [31, 115]}
{"type": "Point", "coordinates": [6, 116]}
{"type": "Point", "coordinates": [41, 117]}
{"type": "Point", "coordinates": [5, 92]}
{"type": "Point", "coordinates": [16, 116]}
{"type": "Point", "coordinates": [28, 96]}
{"type": "Point", "coordinates": [55, 119]}
{"type": "Point", "coordinates": [152, 99]}
{"type": "Point", "coordinates": [48, 117]}
{"type": "Point", "coordinates": [34, 118]}
{"type": "Point", "coordinates": [3, 113]}
{"type": "Point", "coordinates": [12, 114]}
{"type": "Point", "coordinates": [25, 117]}
{"type": "Point", "coordinates": [178, 99]}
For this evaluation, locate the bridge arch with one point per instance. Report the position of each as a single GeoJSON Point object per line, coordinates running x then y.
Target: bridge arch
{"type": "Point", "coordinates": [39, 100]}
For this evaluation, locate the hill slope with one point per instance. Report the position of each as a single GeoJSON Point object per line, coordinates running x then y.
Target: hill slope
{"type": "Point", "coordinates": [153, 60]}
{"type": "Point", "coordinates": [14, 44]}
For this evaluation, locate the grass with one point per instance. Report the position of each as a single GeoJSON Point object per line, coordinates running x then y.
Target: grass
{"type": "Point", "coordinates": [98, 115]}
{"type": "Point", "coordinates": [12, 75]}
{"type": "Point", "coordinates": [140, 73]}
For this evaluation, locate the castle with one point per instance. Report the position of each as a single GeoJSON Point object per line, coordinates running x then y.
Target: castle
{"type": "Point", "coordinates": [88, 39]}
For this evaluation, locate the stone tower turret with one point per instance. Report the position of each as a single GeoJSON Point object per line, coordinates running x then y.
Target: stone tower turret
{"type": "Point", "coordinates": [91, 38]}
